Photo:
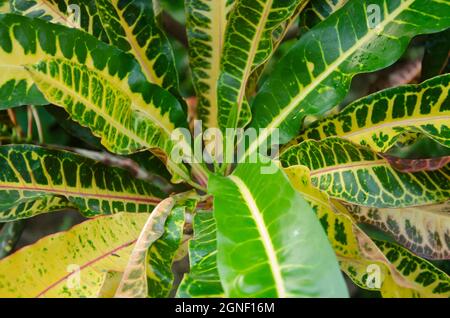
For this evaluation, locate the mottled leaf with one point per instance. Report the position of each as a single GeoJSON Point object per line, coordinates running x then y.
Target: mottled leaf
{"type": "Point", "coordinates": [359, 175]}
{"type": "Point", "coordinates": [203, 278]}
{"type": "Point", "coordinates": [381, 120]}
{"type": "Point", "coordinates": [72, 263]}
{"type": "Point", "coordinates": [36, 180]}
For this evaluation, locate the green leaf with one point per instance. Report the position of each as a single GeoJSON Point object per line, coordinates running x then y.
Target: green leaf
{"type": "Point", "coordinates": [381, 119]}
{"type": "Point", "coordinates": [423, 230]}
{"type": "Point", "coordinates": [318, 10]}
{"type": "Point", "coordinates": [72, 263]}
{"type": "Point", "coordinates": [206, 23]}
{"type": "Point", "coordinates": [129, 25]}
{"type": "Point", "coordinates": [161, 255]}
{"type": "Point", "coordinates": [269, 243]}
{"type": "Point", "coordinates": [203, 278]}
{"type": "Point", "coordinates": [134, 278]}
{"type": "Point", "coordinates": [248, 44]}
{"type": "Point", "coordinates": [315, 74]}
{"type": "Point", "coordinates": [358, 175]}
{"type": "Point", "coordinates": [36, 180]}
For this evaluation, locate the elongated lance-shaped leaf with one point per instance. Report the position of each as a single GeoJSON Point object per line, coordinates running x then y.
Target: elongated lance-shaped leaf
{"type": "Point", "coordinates": [416, 268]}
{"type": "Point", "coordinates": [9, 236]}
{"type": "Point", "coordinates": [379, 120]}
{"type": "Point", "coordinates": [36, 180]}
{"type": "Point", "coordinates": [203, 278]}
{"type": "Point", "coordinates": [315, 74]}
{"type": "Point", "coordinates": [424, 230]}
{"type": "Point", "coordinates": [206, 23]}
{"type": "Point", "coordinates": [317, 11]}
{"type": "Point", "coordinates": [162, 253]}
{"type": "Point", "coordinates": [72, 263]}
{"type": "Point", "coordinates": [359, 175]}
{"type": "Point", "coordinates": [129, 25]}
{"type": "Point", "coordinates": [357, 253]}
{"type": "Point", "coordinates": [134, 278]}
{"type": "Point", "coordinates": [437, 55]}
{"type": "Point", "coordinates": [420, 278]}
{"type": "Point", "coordinates": [269, 243]}
{"type": "Point", "coordinates": [248, 44]}
{"type": "Point", "coordinates": [132, 27]}
{"type": "Point", "coordinates": [100, 86]}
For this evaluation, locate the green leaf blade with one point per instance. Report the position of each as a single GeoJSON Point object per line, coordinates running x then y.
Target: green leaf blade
{"type": "Point", "coordinates": [261, 239]}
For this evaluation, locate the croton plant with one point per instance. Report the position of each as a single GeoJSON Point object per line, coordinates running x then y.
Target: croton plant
{"type": "Point", "coordinates": [272, 180]}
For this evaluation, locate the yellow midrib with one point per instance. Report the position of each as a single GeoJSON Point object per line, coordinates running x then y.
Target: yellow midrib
{"type": "Point", "coordinates": [251, 56]}
{"type": "Point", "coordinates": [218, 19]}
{"type": "Point", "coordinates": [318, 80]}
{"type": "Point", "coordinates": [265, 236]}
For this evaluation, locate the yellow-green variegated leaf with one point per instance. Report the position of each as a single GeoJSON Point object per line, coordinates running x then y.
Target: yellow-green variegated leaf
{"type": "Point", "coordinates": [151, 276]}
{"type": "Point", "coordinates": [358, 255]}
{"type": "Point", "coordinates": [248, 44]}
{"type": "Point", "coordinates": [134, 279]}
{"type": "Point", "coordinates": [162, 254]}
{"type": "Point", "coordinates": [129, 25]}
{"type": "Point", "coordinates": [318, 10]}
{"type": "Point", "coordinates": [418, 270]}
{"type": "Point", "coordinates": [36, 180]}
{"type": "Point", "coordinates": [72, 263]}
{"type": "Point", "coordinates": [425, 230]}
{"type": "Point", "coordinates": [203, 278]}
{"type": "Point", "coordinates": [359, 175]}
{"type": "Point", "coordinates": [101, 87]}
{"type": "Point", "coordinates": [315, 75]}
{"type": "Point", "coordinates": [379, 120]}
{"type": "Point", "coordinates": [206, 23]}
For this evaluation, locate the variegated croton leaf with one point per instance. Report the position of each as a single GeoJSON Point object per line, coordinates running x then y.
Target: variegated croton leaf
{"type": "Point", "coordinates": [36, 180]}
{"type": "Point", "coordinates": [148, 271]}
{"type": "Point", "coordinates": [315, 74]}
{"type": "Point", "coordinates": [425, 230]}
{"type": "Point", "coordinates": [203, 278]}
{"type": "Point", "coordinates": [129, 25]}
{"type": "Point", "coordinates": [72, 263]}
{"type": "Point", "coordinates": [379, 120]}
{"type": "Point", "coordinates": [101, 87]}
{"type": "Point", "coordinates": [359, 175]}
{"type": "Point", "coordinates": [248, 43]}
{"type": "Point", "coordinates": [206, 24]}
